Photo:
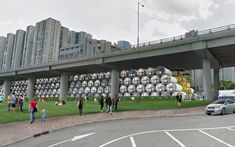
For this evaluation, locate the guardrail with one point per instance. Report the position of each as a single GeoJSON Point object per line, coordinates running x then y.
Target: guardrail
{"type": "Point", "coordinates": [193, 33]}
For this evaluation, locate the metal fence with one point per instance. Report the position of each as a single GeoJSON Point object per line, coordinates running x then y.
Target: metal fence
{"type": "Point", "coordinates": [194, 33]}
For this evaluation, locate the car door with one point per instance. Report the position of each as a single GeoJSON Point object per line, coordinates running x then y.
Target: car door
{"type": "Point", "coordinates": [232, 103]}
{"type": "Point", "coordinates": [229, 106]}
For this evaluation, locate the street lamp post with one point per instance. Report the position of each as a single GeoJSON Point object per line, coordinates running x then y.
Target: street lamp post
{"type": "Point", "coordinates": [138, 23]}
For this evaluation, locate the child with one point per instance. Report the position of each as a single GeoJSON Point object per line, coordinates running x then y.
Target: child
{"type": "Point", "coordinates": [43, 118]}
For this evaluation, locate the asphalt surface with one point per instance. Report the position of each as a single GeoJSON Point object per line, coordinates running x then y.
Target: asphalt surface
{"type": "Point", "coordinates": [194, 131]}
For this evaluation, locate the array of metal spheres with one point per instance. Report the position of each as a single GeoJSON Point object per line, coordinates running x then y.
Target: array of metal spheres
{"type": "Point", "coordinates": [142, 82]}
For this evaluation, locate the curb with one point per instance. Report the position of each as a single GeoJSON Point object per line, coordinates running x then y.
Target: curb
{"type": "Point", "coordinates": [39, 134]}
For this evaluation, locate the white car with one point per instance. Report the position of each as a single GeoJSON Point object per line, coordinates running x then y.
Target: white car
{"type": "Point", "coordinates": [221, 106]}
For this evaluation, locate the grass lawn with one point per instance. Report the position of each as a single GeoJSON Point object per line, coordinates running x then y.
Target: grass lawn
{"type": "Point", "coordinates": [90, 107]}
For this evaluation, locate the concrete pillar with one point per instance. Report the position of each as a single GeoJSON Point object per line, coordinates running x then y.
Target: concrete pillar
{"type": "Point", "coordinates": [216, 83]}
{"type": "Point", "coordinates": [207, 79]}
{"type": "Point", "coordinates": [64, 82]}
{"type": "Point", "coordinates": [7, 88]}
{"type": "Point", "coordinates": [30, 87]}
{"type": "Point", "coordinates": [114, 83]}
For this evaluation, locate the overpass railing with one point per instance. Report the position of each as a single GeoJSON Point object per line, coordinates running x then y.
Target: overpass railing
{"type": "Point", "coordinates": [193, 33]}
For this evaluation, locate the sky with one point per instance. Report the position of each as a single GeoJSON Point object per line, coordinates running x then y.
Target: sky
{"type": "Point", "coordinates": [115, 20]}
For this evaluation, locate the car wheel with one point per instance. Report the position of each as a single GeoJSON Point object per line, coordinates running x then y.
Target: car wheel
{"type": "Point", "coordinates": [234, 111]}
{"type": "Point", "coordinates": [223, 111]}
{"type": "Point", "coordinates": [208, 113]}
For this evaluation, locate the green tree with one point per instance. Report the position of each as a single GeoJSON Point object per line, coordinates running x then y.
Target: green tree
{"type": "Point", "coordinates": [227, 85]}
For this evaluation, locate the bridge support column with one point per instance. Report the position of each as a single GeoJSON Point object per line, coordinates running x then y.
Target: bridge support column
{"type": "Point", "coordinates": [114, 83]}
{"type": "Point", "coordinates": [30, 87]}
{"type": "Point", "coordinates": [64, 82]}
{"type": "Point", "coordinates": [216, 83]}
{"type": "Point", "coordinates": [207, 79]}
{"type": "Point", "coordinates": [7, 88]}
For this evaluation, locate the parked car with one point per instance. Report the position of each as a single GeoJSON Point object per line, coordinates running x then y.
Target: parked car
{"type": "Point", "coordinates": [221, 106]}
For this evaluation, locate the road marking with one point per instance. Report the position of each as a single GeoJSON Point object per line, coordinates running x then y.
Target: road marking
{"type": "Point", "coordinates": [132, 142]}
{"type": "Point", "coordinates": [216, 138]}
{"type": "Point", "coordinates": [155, 131]}
{"type": "Point", "coordinates": [59, 143]}
{"type": "Point", "coordinates": [176, 140]}
{"type": "Point", "coordinates": [81, 136]}
{"type": "Point", "coordinates": [231, 129]}
{"type": "Point", "coordinates": [73, 139]}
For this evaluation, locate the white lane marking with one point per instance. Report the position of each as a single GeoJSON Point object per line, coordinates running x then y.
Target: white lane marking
{"type": "Point", "coordinates": [81, 136]}
{"type": "Point", "coordinates": [132, 142]}
{"type": "Point", "coordinates": [176, 140]}
{"type": "Point", "coordinates": [155, 131]}
{"type": "Point", "coordinates": [216, 138]}
{"type": "Point", "coordinates": [59, 143]}
{"type": "Point", "coordinates": [231, 129]}
{"type": "Point", "coordinates": [73, 139]}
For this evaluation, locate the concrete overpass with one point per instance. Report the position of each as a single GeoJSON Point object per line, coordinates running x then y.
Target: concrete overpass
{"type": "Point", "coordinates": [213, 48]}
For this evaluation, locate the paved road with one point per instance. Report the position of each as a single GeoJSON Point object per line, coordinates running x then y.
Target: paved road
{"type": "Point", "coordinates": [193, 131]}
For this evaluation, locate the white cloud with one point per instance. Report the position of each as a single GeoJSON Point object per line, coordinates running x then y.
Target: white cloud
{"type": "Point", "coordinates": [155, 30]}
{"type": "Point", "coordinates": [10, 26]}
{"type": "Point", "coordinates": [186, 9]}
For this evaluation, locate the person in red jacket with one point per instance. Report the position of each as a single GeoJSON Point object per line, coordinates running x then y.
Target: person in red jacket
{"type": "Point", "coordinates": [32, 109]}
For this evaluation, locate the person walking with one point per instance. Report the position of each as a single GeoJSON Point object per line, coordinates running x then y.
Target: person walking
{"type": "Point", "coordinates": [180, 100]}
{"type": "Point", "coordinates": [33, 109]}
{"type": "Point", "coordinates": [9, 102]}
{"type": "Point", "coordinates": [80, 105]}
{"type": "Point", "coordinates": [1, 99]}
{"type": "Point", "coordinates": [17, 102]}
{"type": "Point", "coordinates": [116, 99]}
{"type": "Point", "coordinates": [21, 102]}
{"type": "Point", "coordinates": [13, 102]}
{"type": "Point", "coordinates": [101, 101]}
{"type": "Point", "coordinates": [108, 102]}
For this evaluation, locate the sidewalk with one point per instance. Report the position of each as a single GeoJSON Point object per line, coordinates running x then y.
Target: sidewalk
{"type": "Point", "coordinates": [18, 131]}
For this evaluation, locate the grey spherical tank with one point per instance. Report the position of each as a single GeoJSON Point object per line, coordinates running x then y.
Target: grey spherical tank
{"type": "Point", "coordinates": [132, 73]}
{"type": "Point", "coordinates": [136, 81]}
{"type": "Point", "coordinates": [141, 72]}
{"type": "Point", "coordinates": [140, 88]}
{"type": "Point", "coordinates": [160, 71]}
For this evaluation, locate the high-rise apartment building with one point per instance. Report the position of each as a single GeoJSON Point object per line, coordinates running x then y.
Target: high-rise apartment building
{"type": "Point", "coordinates": [227, 74]}
{"type": "Point", "coordinates": [7, 59]}
{"type": "Point", "coordinates": [72, 37]}
{"type": "Point", "coordinates": [2, 48]}
{"type": "Point", "coordinates": [18, 49]}
{"type": "Point", "coordinates": [28, 46]}
{"type": "Point", "coordinates": [122, 44]}
{"type": "Point", "coordinates": [46, 42]}
{"type": "Point", "coordinates": [82, 37]}
{"type": "Point", "coordinates": [104, 46]}
{"type": "Point", "coordinates": [64, 37]}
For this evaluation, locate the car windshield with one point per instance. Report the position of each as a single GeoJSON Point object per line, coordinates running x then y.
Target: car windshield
{"type": "Point", "coordinates": [227, 97]}
{"type": "Point", "coordinates": [219, 102]}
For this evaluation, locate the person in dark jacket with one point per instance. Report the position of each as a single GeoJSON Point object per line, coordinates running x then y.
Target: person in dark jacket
{"type": "Point", "coordinates": [108, 102]}
{"type": "Point", "coordinates": [101, 101]}
{"type": "Point", "coordinates": [80, 105]}
{"type": "Point", "coordinates": [21, 102]}
{"type": "Point", "coordinates": [115, 101]}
